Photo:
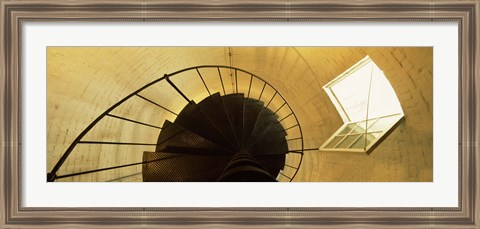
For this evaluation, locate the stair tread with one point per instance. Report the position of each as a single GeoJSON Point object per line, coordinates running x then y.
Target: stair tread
{"type": "Point", "coordinates": [172, 167]}
{"type": "Point", "coordinates": [193, 119]}
{"type": "Point", "coordinates": [196, 151]}
{"type": "Point", "coordinates": [214, 109]}
{"type": "Point", "coordinates": [174, 135]}
{"type": "Point", "coordinates": [263, 125]}
{"type": "Point", "coordinates": [271, 147]}
{"type": "Point", "coordinates": [233, 104]}
{"type": "Point", "coordinates": [251, 113]}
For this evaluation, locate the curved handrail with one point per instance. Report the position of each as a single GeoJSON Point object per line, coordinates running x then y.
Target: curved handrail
{"type": "Point", "coordinates": [53, 173]}
{"type": "Point", "coordinates": [51, 176]}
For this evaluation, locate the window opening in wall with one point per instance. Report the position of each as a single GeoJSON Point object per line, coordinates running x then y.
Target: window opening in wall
{"type": "Point", "coordinates": [367, 104]}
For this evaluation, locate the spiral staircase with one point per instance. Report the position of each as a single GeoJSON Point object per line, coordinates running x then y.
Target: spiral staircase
{"type": "Point", "coordinates": [240, 130]}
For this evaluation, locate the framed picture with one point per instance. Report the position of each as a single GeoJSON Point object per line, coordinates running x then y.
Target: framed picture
{"type": "Point", "coordinates": [356, 113]}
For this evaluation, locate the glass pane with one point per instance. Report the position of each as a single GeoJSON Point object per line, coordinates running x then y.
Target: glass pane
{"type": "Point", "coordinates": [383, 124]}
{"type": "Point", "coordinates": [361, 143]}
{"type": "Point", "coordinates": [333, 142]}
{"type": "Point", "coordinates": [361, 125]}
{"type": "Point", "coordinates": [375, 135]}
{"type": "Point", "coordinates": [352, 92]}
{"type": "Point", "coordinates": [348, 128]}
{"type": "Point", "coordinates": [383, 100]}
{"type": "Point", "coordinates": [359, 129]}
{"type": "Point", "coordinates": [348, 140]}
{"type": "Point", "coordinates": [365, 86]}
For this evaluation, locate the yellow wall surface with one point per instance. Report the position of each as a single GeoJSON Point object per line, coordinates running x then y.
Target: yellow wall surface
{"type": "Point", "coordinates": [83, 82]}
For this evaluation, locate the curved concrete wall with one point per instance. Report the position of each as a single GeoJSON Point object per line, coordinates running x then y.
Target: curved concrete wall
{"type": "Point", "coordinates": [85, 81]}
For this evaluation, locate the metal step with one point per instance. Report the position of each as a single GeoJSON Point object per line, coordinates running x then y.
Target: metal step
{"type": "Point", "coordinates": [172, 167]}
{"type": "Point", "coordinates": [193, 119]}
{"type": "Point", "coordinates": [271, 142]}
{"type": "Point", "coordinates": [263, 125]}
{"type": "Point", "coordinates": [251, 113]}
{"type": "Point", "coordinates": [233, 104]}
{"type": "Point", "coordinates": [214, 110]}
{"type": "Point", "coordinates": [173, 135]}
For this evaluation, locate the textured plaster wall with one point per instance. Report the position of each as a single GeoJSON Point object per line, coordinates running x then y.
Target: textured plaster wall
{"type": "Point", "coordinates": [83, 82]}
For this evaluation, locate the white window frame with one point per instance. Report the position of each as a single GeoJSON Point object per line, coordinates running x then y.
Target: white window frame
{"type": "Point", "coordinates": [343, 145]}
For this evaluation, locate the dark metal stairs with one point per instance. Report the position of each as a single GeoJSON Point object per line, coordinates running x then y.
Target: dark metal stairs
{"type": "Point", "coordinates": [222, 138]}
{"type": "Point", "coordinates": [231, 136]}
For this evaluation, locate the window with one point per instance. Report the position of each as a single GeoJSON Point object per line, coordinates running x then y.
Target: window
{"type": "Point", "coordinates": [367, 104]}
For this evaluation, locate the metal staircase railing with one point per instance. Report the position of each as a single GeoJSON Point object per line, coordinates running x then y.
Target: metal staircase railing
{"type": "Point", "coordinates": [241, 82]}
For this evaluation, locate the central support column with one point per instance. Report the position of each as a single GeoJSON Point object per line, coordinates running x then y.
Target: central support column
{"type": "Point", "coordinates": [244, 167]}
